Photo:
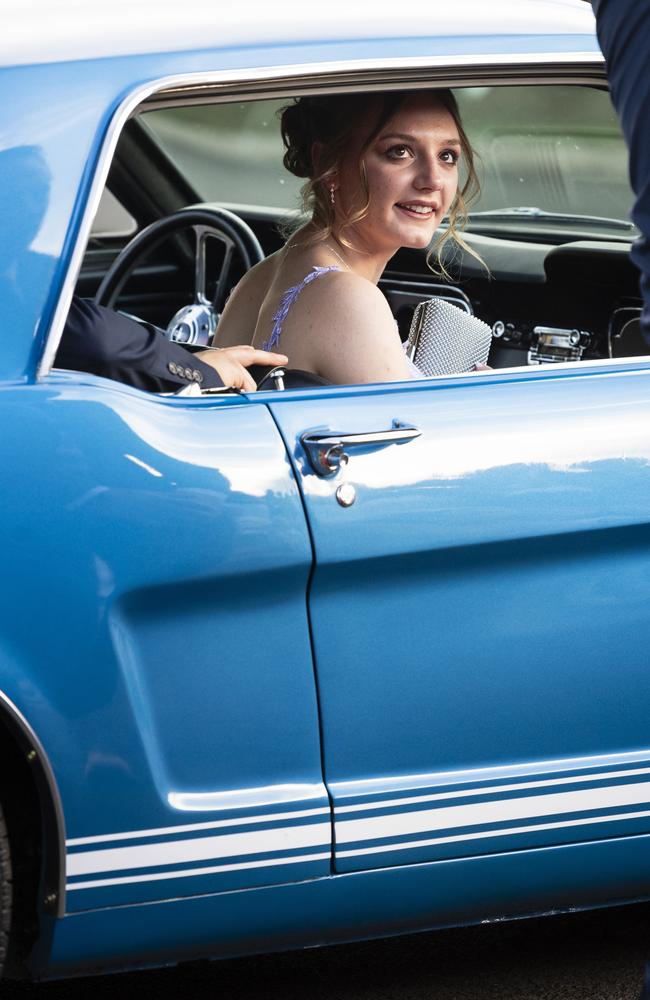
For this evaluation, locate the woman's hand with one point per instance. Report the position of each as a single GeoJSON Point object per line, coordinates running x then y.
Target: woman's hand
{"type": "Point", "coordinates": [231, 363]}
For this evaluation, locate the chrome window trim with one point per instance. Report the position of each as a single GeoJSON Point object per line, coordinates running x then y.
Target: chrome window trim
{"type": "Point", "coordinates": [273, 82]}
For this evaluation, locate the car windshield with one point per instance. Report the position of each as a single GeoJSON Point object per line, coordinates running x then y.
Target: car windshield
{"type": "Point", "coordinates": [550, 158]}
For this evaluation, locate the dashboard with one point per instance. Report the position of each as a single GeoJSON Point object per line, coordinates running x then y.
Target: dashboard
{"type": "Point", "coordinates": [545, 303]}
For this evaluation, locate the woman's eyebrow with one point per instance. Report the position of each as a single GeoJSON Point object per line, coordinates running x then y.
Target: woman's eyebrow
{"type": "Point", "coordinates": [405, 137]}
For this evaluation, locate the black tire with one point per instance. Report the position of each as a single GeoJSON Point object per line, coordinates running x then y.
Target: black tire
{"type": "Point", "coordinates": [6, 891]}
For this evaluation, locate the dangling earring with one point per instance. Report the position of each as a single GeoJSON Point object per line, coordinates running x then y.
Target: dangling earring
{"type": "Point", "coordinates": [332, 195]}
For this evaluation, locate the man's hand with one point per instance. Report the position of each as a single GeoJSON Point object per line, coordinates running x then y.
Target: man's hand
{"type": "Point", "coordinates": [231, 363]}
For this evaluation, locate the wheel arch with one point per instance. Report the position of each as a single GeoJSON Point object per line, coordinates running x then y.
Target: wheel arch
{"type": "Point", "coordinates": [30, 756]}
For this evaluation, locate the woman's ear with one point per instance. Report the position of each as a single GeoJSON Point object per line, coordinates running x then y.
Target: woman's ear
{"type": "Point", "coordinates": [316, 153]}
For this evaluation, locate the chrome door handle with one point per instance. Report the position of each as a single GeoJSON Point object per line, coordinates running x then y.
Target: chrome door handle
{"type": "Point", "coordinates": [328, 450]}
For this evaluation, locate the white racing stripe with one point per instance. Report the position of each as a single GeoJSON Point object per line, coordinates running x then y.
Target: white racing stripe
{"type": "Point", "coordinates": [525, 807]}
{"type": "Point", "coordinates": [402, 822]}
{"type": "Point", "coordinates": [200, 849]}
{"type": "Point", "coordinates": [158, 876]}
{"type": "Point", "coordinates": [489, 790]}
{"type": "Point", "coordinates": [215, 824]}
{"type": "Point", "coordinates": [402, 845]}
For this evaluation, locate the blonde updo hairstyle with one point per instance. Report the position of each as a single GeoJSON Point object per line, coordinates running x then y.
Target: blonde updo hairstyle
{"type": "Point", "coordinates": [328, 124]}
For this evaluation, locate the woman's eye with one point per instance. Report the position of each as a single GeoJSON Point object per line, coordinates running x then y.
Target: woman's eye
{"type": "Point", "coordinates": [450, 156]}
{"type": "Point", "coordinates": [398, 152]}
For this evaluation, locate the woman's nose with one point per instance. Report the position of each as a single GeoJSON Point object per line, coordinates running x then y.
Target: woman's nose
{"type": "Point", "coordinates": [429, 178]}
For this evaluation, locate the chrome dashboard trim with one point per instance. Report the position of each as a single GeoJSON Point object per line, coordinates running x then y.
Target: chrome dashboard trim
{"type": "Point", "coordinates": [362, 74]}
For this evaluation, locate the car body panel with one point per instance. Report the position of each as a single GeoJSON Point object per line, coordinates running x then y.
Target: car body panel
{"type": "Point", "coordinates": [111, 30]}
{"type": "Point", "coordinates": [469, 696]}
{"type": "Point", "coordinates": [174, 647]}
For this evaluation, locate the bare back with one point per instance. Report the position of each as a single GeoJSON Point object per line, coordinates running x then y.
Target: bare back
{"type": "Point", "coordinates": [339, 326]}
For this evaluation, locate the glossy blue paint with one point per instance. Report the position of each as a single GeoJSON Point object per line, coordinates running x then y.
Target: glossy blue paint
{"type": "Point", "coordinates": [355, 906]}
{"type": "Point", "coordinates": [161, 545]}
{"type": "Point", "coordinates": [468, 610]}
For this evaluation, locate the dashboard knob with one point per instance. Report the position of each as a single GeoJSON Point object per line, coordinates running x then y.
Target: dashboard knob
{"type": "Point", "coordinates": [499, 328]}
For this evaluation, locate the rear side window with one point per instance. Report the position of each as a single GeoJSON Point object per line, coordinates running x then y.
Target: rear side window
{"type": "Point", "coordinates": [112, 219]}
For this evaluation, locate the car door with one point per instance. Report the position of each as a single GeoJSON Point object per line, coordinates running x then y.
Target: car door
{"type": "Point", "coordinates": [479, 608]}
{"type": "Point", "coordinates": [154, 633]}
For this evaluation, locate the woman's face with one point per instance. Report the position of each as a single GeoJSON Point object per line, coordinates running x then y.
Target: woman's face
{"type": "Point", "coordinates": [412, 176]}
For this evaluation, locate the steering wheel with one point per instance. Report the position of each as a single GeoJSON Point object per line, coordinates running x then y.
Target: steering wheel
{"type": "Point", "coordinates": [196, 323]}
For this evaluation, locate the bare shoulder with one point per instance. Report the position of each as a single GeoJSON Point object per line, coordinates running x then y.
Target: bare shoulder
{"type": "Point", "coordinates": [353, 335]}
{"type": "Point", "coordinates": [352, 298]}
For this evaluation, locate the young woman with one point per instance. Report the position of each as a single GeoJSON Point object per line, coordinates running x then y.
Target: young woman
{"type": "Point", "coordinates": [382, 172]}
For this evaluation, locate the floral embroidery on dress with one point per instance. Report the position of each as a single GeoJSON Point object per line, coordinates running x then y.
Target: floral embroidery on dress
{"type": "Point", "coordinates": [288, 300]}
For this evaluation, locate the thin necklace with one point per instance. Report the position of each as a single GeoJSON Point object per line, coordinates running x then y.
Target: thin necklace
{"type": "Point", "coordinates": [345, 265]}
{"type": "Point", "coordinates": [299, 246]}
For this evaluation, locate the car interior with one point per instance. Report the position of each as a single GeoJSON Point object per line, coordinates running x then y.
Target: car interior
{"type": "Point", "coordinates": [551, 227]}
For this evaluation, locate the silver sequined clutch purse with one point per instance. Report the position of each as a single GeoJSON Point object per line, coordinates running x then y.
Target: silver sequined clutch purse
{"type": "Point", "coordinates": [445, 340]}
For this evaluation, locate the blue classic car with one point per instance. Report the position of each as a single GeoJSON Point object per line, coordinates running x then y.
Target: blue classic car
{"type": "Point", "coordinates": [253, 697]}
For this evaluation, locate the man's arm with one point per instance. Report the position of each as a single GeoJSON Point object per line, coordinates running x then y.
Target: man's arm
{"type": "Point", "coordinates": [103, 342]}
{"type": "Point", "coordinates": [624, 34]}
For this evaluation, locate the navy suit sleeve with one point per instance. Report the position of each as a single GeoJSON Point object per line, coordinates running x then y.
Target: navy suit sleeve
{"type": "Point", "coordinates": [103, 342]}
{"type": "Point", "coordinates": [624, 35]}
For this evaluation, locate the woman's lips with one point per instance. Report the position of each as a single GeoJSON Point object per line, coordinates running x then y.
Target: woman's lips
{"type": "Point", "coordinates": [416, 210]}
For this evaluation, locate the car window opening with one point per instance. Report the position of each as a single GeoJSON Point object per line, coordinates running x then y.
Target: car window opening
{"type": "Point", "coordinates": [543, 261]}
